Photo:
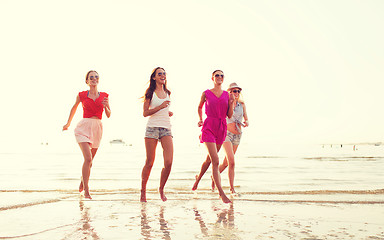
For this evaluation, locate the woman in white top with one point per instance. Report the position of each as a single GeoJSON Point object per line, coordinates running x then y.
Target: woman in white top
{"type": "Point", "coordinates": [156, 106]}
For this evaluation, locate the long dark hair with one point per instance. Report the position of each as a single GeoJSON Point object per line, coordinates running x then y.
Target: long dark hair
{"type": "Point", "coordinates": [152, 86]}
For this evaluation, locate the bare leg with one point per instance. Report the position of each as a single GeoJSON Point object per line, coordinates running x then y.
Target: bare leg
{"type": "Point", "coordinates": [81, 187]}
{"type": "Point", "coordinates": [204, 168]}
{"type": "Point", "coordinates": [222, 167]}
{"type": "Point", "coordinates": [86, 170]}
{"type": "Point", "coordinates": [212, 151]}
{"type": "Point", "coordinates": [167, 144]}
{"type": "Point", "coordinates": [230, 156]}
{"type": "Point", "coordinates": [150, 147]}
{"type": "Point", "coordinates": [234, 152]}
{"type": "Point", "coordinates": [213, 186]}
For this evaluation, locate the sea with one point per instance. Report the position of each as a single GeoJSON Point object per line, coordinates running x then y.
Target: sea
{"type": "Point", "coordinates": [280, 169]}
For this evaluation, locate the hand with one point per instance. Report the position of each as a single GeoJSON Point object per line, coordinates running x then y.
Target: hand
{"type": "Point", "coordinates": [170, 113]}
{"type": "Point", "coordinates": [105, 102]}
{"type": "Point", "coordinates": [165, 104]}
{"type": "Point", "coordinates": [65, 127]}
{"type": "Point", "coordinates": [200, 123]}
{"type": "Point", "coordinates": [246, 123]}
{"type": "Point", "coordinates": [231, 99]}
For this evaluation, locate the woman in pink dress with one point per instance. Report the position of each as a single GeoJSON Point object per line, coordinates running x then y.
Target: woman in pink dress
{"type": "Point", "coordinates": [218, 105]}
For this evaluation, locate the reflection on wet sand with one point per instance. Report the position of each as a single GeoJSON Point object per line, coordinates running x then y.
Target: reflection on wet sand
{"type": "Point", "coordinates": [145, 228]}
{"type": "Point", "coordinates": [225, 221]}
{"type": "Point", "coordinates": [83, 228]}
{"type": "Point", "coordinates": [203, 226]}
{"type": "Point", "coordinates": [154, 224]}
{"type": "Point", "coordinates": [226, 217]}
{"type": "Point", "coordinates": [86, 228]}
{"type": "Point", "coordinates": [149, 233]}
{"type": "Point", "coordinates": [164, 224]}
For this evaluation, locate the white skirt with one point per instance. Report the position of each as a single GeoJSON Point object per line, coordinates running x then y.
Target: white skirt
{"type": "Point", "coordinates": [89, 130]}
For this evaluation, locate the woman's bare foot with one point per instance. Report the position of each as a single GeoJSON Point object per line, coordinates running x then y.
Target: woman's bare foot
{"type": "Point", "coordinates": [234, 193]}
{"type": "Point", "coordinates": [213, 185]}
{"type": "Point", "coordinates": [225, 199]}
{"type": "Point", "coordinates": [196, 183]}
{"type": "Point", "coordinates": [143, 197]}
{"type": "Point", "coordinates": [162, 196]}
{"type": "Point", "coordinates": [87, 195]}
{"type": "Point", "coordinates": [81, 187]}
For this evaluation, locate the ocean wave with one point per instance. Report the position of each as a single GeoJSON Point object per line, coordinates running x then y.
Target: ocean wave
{"type": "Point", "coordinates": [345, 159]}
{"type": "Point", "coordinates": [181, 194]}
{"type": "Point", "coordinates": [188, 190]}
{"type": "Point", "coordinates": [30, 204]}
{"type": "Point", "coordinates": [36, 233]}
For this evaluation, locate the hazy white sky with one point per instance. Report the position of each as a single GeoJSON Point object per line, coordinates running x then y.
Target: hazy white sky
{"type": "Point", "coordinates": [311, 71]}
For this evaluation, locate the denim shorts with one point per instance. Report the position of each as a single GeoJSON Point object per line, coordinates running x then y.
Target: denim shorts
{"type": "Point", "coordinates": [157, 132]}
{"type": "Point", "coordinates": [233, 138]}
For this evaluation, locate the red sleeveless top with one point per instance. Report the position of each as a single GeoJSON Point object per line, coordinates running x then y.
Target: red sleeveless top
{"type": "Point", "coordinates": [92, 107]}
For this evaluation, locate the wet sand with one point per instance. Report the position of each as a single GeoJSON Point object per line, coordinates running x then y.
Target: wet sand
{"type": "Point", "coordinates": [321, 193]}
{"type": "Point", "coordinates": [119, 215]}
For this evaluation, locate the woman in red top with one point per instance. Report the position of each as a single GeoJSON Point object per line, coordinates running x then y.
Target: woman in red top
{"type": "Point", "coordinates": [89, 130]}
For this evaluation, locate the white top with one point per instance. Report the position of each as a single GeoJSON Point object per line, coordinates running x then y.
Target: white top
{"type": "Point", "coordinates": [160, 118]}
{"type": "Point", "coordinates": [238, 114]}
{"type": "Point", "coordinates": [237, 117]}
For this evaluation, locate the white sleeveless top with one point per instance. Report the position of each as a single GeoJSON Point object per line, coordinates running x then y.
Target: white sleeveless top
{"type": "Point", "coordinates": [160, 118]}
{"type": "Point", "coordinates": [237, 117]}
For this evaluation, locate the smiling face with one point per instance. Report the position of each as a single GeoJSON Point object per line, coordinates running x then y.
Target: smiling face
{"type": "Point", "coordinates": [218, 77]}
{"type": "Point", "coordinates": [93, 78]}
{"type": "Point", "coordinates": [235, 92]}
{"type": "Point", "coordinates": [160, 76]}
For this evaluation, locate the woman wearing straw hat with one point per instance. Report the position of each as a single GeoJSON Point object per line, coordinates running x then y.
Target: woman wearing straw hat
{"type": "Point", "coordinates": [234, 133]}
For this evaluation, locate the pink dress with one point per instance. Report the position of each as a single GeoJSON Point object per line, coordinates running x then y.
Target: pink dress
{"type": "Point", "coordinates": [215, 125]}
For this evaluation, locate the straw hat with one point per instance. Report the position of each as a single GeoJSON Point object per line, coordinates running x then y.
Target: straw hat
{"type": "Point", "coordinates": [233, 85]}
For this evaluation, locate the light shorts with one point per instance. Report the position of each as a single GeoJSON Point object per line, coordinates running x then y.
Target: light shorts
{"type": "Point", "coordinates": [89, 130]}
{"type": "Point", "coordinates": [157, 132]}
{"type": "Point", "coordinates": [233, 138]}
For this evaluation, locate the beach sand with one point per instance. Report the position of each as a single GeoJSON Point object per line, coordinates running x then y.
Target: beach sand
{"type": "Point", "coordinates": [186, 215]}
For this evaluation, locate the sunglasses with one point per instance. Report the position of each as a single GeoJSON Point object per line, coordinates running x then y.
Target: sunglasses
{"type": "Point", "coordinates": [219, 75]}
{"type": "Point", "coordinates": [93, 77]}
{"type": "Point", "coordinates": [236, 91]}
{"type": "Point", "coordinates": [161, 74]}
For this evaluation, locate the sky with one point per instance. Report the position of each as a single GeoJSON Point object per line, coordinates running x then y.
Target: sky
{"type": "Point", "coordinates": [311, 71]}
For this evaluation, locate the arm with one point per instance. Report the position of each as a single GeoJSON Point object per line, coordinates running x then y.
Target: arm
{"type": "Point", "coordinates": [245, 115]}
{"type": "Point", "coordinates": [72, 113]}
{"type": "Point", "coordinates": [107, 108]}
{"type": "Point", "coordinates": [200, 110]}
{"type": "Point", "coordinates": [148, 112]}
{"type": "Point", "coordinates": [231, 102]}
